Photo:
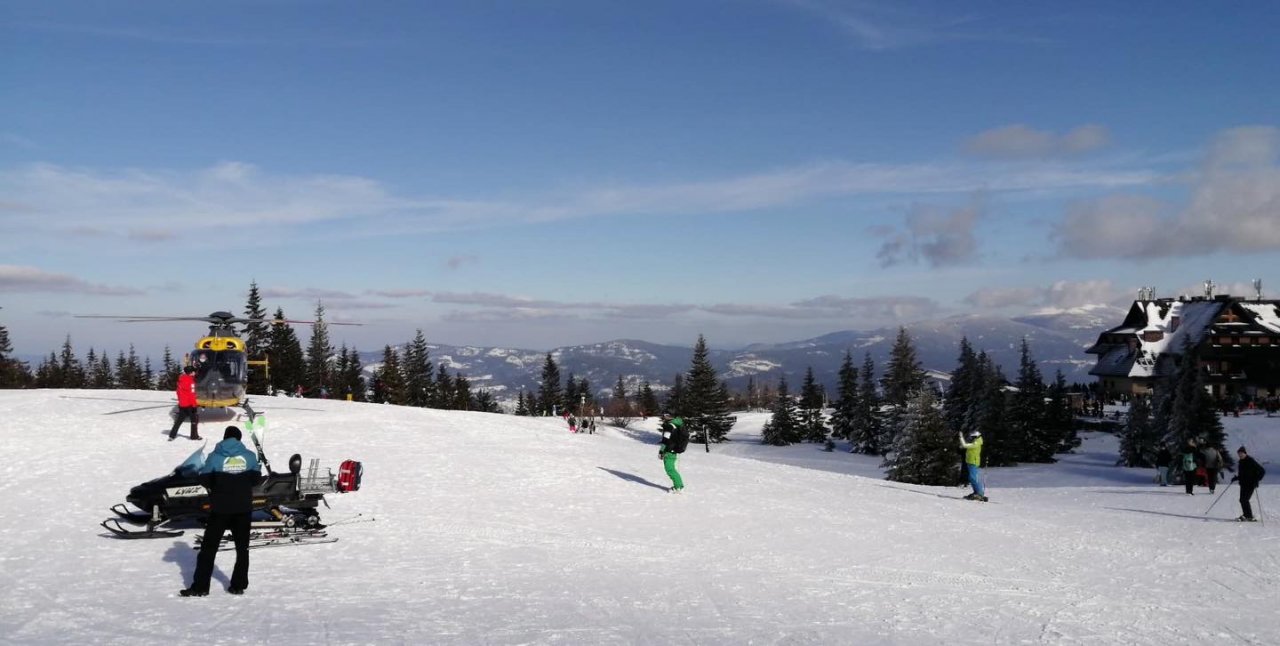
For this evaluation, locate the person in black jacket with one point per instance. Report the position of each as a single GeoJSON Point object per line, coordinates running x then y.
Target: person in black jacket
{"type": "Point", "coordinates": [230, 474]}
{"type": "Point", "coordinates": [675, 439]}
{"type": "Point", "coordinates": [1163, 460]}
{"type": "Point", "coordinates": [1249, 473]}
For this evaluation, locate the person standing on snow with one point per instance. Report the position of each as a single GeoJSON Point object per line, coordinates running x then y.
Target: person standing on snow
{"type": "Point", "coordinates": [1249, 473]}
{"type": "Point", "coordinates": [1163, 460]}
{"type": "Point", "coordinates": [1212, 463]}
{"type": "Point", "coordinates": [230, 474]}
{"type": "Point", "coordinates": [188, 407]}
{"type": "Point", "coordinates": [675, 439]}
{"type": "Point", "coordinates": [972, 460]}
{"type": "Point", "coordinates": [1190, 457]}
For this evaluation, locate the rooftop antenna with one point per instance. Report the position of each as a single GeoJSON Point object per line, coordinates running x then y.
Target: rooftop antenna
{"type": "Point", "coordinates": [1208, 289]}
{"type": "Point", "coordinates": [1257, 287]}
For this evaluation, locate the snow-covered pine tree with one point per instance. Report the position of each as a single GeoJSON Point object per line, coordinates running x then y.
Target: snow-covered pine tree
{"type": "Point", "coordinates": [443, 388]}
{"type": "Point", "coordinates": [705, 400]}
{"type": "Point", "coordinates": [549, 392]}
{"type": "Point", "coordinates": [418, 372]}
{"type": "Point", "coordinates": [924, 452]}
{"type": "Point", "coordinates": [461, 392]}
{"type": "Point", "coordinates": [349, 375]}
{"type": "Point", "coordinates": [484, 402]}
{"type": "Point", "coordinates": [522, 407]}
{"type": "Point", "coordinates": [285, 351]}
{"type": "Point", "coordinates": [903, 378]}
{"type": "Point", "coordinates": [868, 427]}
{"type": "Point", "coordinates": [844, 410]}
{"type": "Point", "coordinates": [319, 351]}
{"type": "Point", "coordinates": [1029, 438]}
{"type": "Point", "coordinates": [813, 427]}
{"type": "Point", "coordinates": [783, 427]}
{"type": "Point", "coordinates": [1140, 441]}
{"type": "Point", "coordinates": [148, 376]}
{"type": "Point", "coordinates": [257, 338]}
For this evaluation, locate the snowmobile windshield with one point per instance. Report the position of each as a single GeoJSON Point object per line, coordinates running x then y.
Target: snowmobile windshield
{"type": "Point", "coordinates": [192, 465]}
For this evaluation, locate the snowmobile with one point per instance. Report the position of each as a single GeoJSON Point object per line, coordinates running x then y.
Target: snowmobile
{"type": "Point", "coordinates": [284, 502]}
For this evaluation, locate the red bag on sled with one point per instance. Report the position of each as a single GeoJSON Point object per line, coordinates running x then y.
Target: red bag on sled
{"type": "Point", "coordinates": [349, 474]}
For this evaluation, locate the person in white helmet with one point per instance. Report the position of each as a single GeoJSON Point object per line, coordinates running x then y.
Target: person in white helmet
{"type": "Point", "coordinates": [973, 460]}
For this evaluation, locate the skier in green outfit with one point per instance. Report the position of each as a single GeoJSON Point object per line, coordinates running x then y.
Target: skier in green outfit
{"type": "Point", "coordinates": [675, 439]}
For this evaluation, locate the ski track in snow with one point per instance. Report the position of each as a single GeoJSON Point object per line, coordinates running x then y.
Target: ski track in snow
{"type": "Point", "coordinates": [493, 529]}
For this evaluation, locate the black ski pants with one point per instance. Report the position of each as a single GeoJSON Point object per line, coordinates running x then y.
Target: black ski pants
{"type": "Point", "coordinates": [184, 413]}
{"type": "Point", "coordinates": [219, 523]}
{"type": "Point", "coordinates": [1246, 492]}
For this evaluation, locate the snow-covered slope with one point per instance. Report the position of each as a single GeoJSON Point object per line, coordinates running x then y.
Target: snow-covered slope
{"type": "Point", "coordinates": [500, 530]}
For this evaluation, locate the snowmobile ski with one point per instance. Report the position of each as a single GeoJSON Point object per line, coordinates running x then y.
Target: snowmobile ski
{"type": "Point", "coordinates": [112, 525]}
{"type": "Point", "coordinates": [135, 517]}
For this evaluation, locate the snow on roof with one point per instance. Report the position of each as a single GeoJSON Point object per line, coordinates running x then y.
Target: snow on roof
{"type": "Point", "coordinates": [1196, 316]}
{"type": "Point", "coordinates": [1267, 314]}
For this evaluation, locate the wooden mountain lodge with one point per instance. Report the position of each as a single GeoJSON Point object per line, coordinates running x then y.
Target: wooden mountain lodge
{"type": "Point", "coordinates": [1238, 341]}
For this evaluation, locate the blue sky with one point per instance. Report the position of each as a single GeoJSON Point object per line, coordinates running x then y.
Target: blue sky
{"type": "Point", "coordinates": [537, 174]}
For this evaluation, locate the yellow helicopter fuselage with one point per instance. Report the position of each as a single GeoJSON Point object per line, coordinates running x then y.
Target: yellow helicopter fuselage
{"type": "Point", "coordinates": [221, 371]}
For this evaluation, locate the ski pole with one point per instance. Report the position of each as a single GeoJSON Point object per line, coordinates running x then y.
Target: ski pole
{"type": "Point", "coordinates": [1215, 500]}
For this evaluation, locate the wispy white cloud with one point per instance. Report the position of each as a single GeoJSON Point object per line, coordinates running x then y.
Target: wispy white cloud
{"type": "Point", "coordinates": [56, 200]}
{"type": "Point", "coordinates": [1019, 141]}
{"type": "Point", "coordinates": [882, 26]}
{"type": "Point", "coordinates": [1234, 206]}
{"type": "Point", "coordinates": [940, 237]}
{"type": "Point", "coordinates": [18, 278]}
{"type": "Point", "coordinates": [1060, 294]}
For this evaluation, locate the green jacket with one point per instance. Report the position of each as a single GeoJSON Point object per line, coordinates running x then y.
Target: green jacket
{"type": "Point", "coordinates": [972, 451]}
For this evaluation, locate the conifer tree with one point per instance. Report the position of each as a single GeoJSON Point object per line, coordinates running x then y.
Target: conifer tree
{"type": "Point", "coordinates": [675, 402]}
{"type": "Point", "coordinates": [257, 338]}
{"type": "Point", "coordinates": [868, 429]}
{"type": "Point", "coordinates": [782, 428]}
{"type": "Point", "coordinates": [69, 367]}
{"type": "Point", "coordinates": [571, 396]}
{"type": "Point", "coordinates": [1029, 438]}
{"type": "Point", "coordinates": [389, 386]}
{"type": "Point", "coordinates": [1059, 417]}
{"type": "Point", "coordinates": [99, 375]}
{"type": "Point", "coordinates": [418, 372]}
{"type": "Point", "coordinates": [964, 384]}
{"type": "Point", "coordinates": [47, 373]}
{"type": "Point", "coordinates": [484, 402]}
{"type": "Point", "coordinates": [443, 388]}
{"type": "Point", "coordinates": [924, 452]}
{"type": "Point", "coordinates": [903, 377]}
{"type": "Point", "coordinates": [285, 352]}
{"type": "Point", "coordinates": [706, 404]}
{"type": "Point", "coordinates": [1141, 440]}
{"type": "Point", "coordinates": [104, 369]}
{"type": "Point", "coordinates": [549, 392]}
{"type": "Point", "coordinates": [522, 407]}
{"type": "Point", "coordinates": [619, 407]}
{"type": "Point", "coordinates": [989, 413]}
{"type": "Point", "coordinates": [648, 400]}
{"type": "Point", "coordinates": [1193, 413]}
{"type": "Point", "coordinates": [169, 371]}
{"type": "Point", "coordinates": [318, 373]}
{"type": "Point", "coordinates": [13, 373]}
{"type": "Point", "coordinates": [844, 411]}
{"type": "Point", "coordinates": [461, 392]}
{"type": "Point", "coordinates": [349, 374]}
{"type": "Point", "coordinates": [813, 427]}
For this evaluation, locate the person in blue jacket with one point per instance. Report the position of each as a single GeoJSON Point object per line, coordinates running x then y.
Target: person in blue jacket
{"type": "Point", "coordinates": [230, 474]}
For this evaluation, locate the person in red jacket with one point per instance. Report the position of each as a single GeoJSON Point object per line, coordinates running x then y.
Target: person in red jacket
{"type": "Point", "coordinates": [188, 408]}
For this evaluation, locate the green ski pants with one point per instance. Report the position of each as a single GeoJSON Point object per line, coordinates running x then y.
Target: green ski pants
{"type": "Point", "coordinates": [669, 462]}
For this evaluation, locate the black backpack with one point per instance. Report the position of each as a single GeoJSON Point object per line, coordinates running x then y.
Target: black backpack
{"type": "Point", "coordinates": [679, 436]}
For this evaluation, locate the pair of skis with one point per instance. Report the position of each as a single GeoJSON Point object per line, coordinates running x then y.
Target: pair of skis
{"type": "Point", "coordinates": [259, 539]}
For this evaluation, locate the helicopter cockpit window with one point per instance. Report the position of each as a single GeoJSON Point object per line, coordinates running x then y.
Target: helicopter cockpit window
{"type": "Point", "coordinates": [203, 361]}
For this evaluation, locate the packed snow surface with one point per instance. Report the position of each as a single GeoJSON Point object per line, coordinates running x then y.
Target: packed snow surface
{"type": "Point", "coordinates": [493, 529]}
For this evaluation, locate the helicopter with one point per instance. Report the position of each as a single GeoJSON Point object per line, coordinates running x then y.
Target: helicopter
{"type": "Point", "coordinates": [220, 357]}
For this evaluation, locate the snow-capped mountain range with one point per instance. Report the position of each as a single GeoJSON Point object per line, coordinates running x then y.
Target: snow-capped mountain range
{"type": "Point", "coordinates": [1058, 339]}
